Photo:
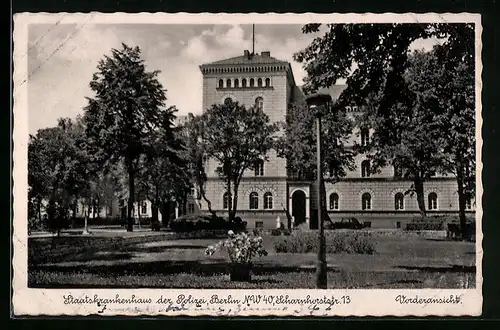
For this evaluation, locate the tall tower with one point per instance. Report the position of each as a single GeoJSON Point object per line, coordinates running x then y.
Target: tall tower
{"type": "Point", "coordinates": [261, 80]}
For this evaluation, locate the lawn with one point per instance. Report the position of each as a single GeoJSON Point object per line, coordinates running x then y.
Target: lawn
{"type": "Point", "coordinates": [159, 261]}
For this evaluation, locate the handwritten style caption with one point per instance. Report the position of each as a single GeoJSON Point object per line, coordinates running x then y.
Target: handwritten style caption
{"type": "Point", "coordinates": [220, 305]}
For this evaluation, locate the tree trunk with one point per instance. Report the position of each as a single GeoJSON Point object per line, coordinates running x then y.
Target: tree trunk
{"type": "Point", "coordinates": [419, 190]}
{"type": "Point", "coordinates": [230, 201]}
{"type": "Point", "coordinates": [461, 201]}
{"type": "Point", "coordinates": [235, 202]}
{"type": "Point", "coordinates": [130, 203]}
{"type": "Point", "coordinates": [209, 203]}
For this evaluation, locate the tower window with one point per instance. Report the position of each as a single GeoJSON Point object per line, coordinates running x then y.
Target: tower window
{"type": "Point", "coordinates": [432, 200]}
{"type": "Point", "coordinates": [259, 82]}
{"type": "Point", "coordinates": [399, 201]}
{"type": "Point", "coordinates": [365, 137]}
{"type": "Point", "coordinates": [259, 103]}
{"type": "Point", "coordinates": [366, 201]}
{"type": "Point", "coordinates": [259, 168]}
{"type": "Point", "coordinates": [190, 208]}
{"type": "Point", "coordinates": [221, 83]}
{"type": "Point", "coordinates": [228, 83]}
{"type": "Point", "coordinates": [243, 82]}
{"type": "Point", "coordinates": [236, 83]}
{"type": "Point", "coordinates": [144, 207]}
{"type": "Point", "coordinates": [268, 201]}
{"type": "Point", "coordinates": [334, 201]}
{"type": "Point", "coordinates": [268, 82]}
{"type": "Point", "coordinates": [252, 82]}
{"type": "Point", "coordinates": [254, 201]}
{"type": "Point", "coordinates": [365, 169]}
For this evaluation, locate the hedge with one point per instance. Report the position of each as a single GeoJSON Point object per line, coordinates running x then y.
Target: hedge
{"type": "Point", "coordinates": [336, 242]}
{"type": "Point", "coordinates": [424, 226]}
{"type": "Point", "coordinates": [188, 223]}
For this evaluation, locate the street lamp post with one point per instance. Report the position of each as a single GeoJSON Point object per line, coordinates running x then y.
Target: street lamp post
{"type": "Point", "coordinates": [320, 104]}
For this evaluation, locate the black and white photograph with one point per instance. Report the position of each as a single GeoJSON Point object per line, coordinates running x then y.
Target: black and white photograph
{"type": "Point", "coordinates": [171, 155]}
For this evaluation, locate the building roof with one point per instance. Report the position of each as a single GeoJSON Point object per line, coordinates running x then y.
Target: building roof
{"type": "Point", "coordinates": [263, 58]}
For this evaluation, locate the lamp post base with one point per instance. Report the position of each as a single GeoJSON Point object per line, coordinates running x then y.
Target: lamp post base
{"type": "Point", "coordinates": [321, 275]}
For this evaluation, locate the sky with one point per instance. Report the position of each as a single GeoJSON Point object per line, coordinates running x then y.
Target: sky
{"type": "Point", "coordinates": [63, 57]}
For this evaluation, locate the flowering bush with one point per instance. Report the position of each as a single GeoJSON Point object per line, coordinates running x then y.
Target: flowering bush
{"type": "Point", "coordinates": [241, 247]}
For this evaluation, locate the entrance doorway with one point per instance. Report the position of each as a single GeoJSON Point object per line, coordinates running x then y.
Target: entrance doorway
{"type": "Point", "coordinates": [299, 207]}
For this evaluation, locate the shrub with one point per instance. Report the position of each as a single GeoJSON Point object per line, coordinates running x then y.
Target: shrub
{"type": "Point", "coordinates": [241, 248]}
{"type": "Point", "coordinates": [424, 226]}
{"type": "Point", "coordinates": [189, 223]}
{"type": "Point", "coordinates": [336, 242]}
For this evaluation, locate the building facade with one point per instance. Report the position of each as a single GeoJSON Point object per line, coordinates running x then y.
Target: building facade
{"type": "Point", "coordinates": [268, 192]}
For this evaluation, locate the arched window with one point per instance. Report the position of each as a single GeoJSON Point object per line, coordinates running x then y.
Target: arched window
{"type": "Point", "coordinates": [254, 201]}
{"type": "Point", "coordinates": [228, 83]}
{"type": "Point", "coordinates": [365, 168]}
{"type": "Point", "coordinates": [259, 104]}
{"type": "Point", "coordinates": [259, 82]}
{"type": "Point", "coordinates": [268, 201]}
{"type": "Point", "coordinates": [399, 201]}
{"type": "Point", "coordinates": [226, 199]}
{"type": "Point", "coordinates": [432, 200]}
{"type": "Point", "coordinates": [365, 136]}
{"type": "Point", "coordinates": [236, 83]}
{"type": "Point", "coordinates": [252, 82]}
{"type": "Point", "coordinates": [221, 83]}
{"type": "Point", "coordinates": [243, 82]}
{"type": "Point", "coordinates": [268, 82]}
{"type": "Point", "coordinates": [366, 201]}
{"type": "Point", "coordinates": [334, 201]}
{"type": "Point", "coordinates": [228, 101]}
{"type": "Point", "coordinates": [259, 168]}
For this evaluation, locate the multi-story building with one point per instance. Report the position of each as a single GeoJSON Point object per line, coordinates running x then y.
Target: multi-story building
{"type": "Point", "coordinates": [268, 191]}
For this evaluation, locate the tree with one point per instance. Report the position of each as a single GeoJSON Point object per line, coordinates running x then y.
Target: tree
{"type": "Point", "coordinates": [374, 59]}
{"type": "Point", "coordinates": [164, 176]}
{"type": "Point", "coordinates": [55, 167]}
{"type": "Point", "coordinates": [125, 112]}
{"type": "Point", "coordinates": [298, 145]}
{"type": "Point", "coordinates": [236, 138]}
{"type": "Point", "coordinates": [195, 155]}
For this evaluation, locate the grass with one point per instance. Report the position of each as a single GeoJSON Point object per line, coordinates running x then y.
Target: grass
{"type": "Point", "coordinates": [156, 261]}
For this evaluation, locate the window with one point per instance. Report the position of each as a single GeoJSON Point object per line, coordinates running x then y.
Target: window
{"type": "Point", "coordinates": [254, 201]}
{"type": "Point", "coordinates": [252, 82]}
{"type": "Point", "coordinates": [221, 83]}
{"type": "Point", "coordinates": [226, 199]}
{"type": "Point", "coordinates": [259, 168]}
{"type": "Point", "coordinates": [398, 173]}
{"type": "Point", "coordinates": [228, 101]}
{"type": "Point", "coordinates": [399, 201]}
{"type": "Point", "coordinates": [366, 201]}
{"type": "Point", "coordinates": [77, 209]}
{"type": "Point", "coordinates": [192, 192]}
{"type": "Point", "coordinates": [268, 201]}
{"type": "Point", "coordinates": [228, 83]}
{"type": "Point", "coordinates": [433, 201]}
{"type": "Point", "coordinates": [144, 207]}
{"type": "Point", "coordinates": [365, 168]}
{"type": "Point", "coordinates": [398, 224]}
{"type": "Point", "coordinates": [243, 82]}
{"type": "Point", "coordinates": [236, 83]}
{"type": "Point", "coordinates": [268, 82]}
{"type": "Point", "coordinates": [259, 82]}
{"type": "Point", "coordinates": [468, 203]}
{"type": "Point", "coordinates": [259, 103]}
{"type": "Point", "coordinates": [365, 137]}
{"type": "Point", "coordinates": [332, 171]}
{"type": "Point", "coordinates": [334, 201]}
{"type": "Point", "coordinates": [259, 224]}
{"type": "Point", "coordinates": [190, 208]}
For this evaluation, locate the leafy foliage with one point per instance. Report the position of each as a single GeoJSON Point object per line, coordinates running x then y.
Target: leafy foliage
{"type": "Point", "coordinates": [236, 138]}
{"type": "Point", "coordinates": [127, 111]}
